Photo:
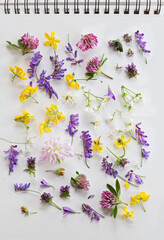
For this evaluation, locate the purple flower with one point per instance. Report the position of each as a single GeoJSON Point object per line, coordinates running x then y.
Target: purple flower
{"type": "Point", "coordinates": [46, 198]}
{"type": "Point", "coordinates": [130, 174]}
{"type": "Point", "coordinates": [139, 38]}
{"type": "Point", "coordinates": [37, 57]}
{"type": "Point", "coordinates": [138, 179]}
{"type": "Point", "coordinates": [73, 123]}
{"type": "Point", "coordinates": [87, 41]}
{"type": "Point", "coordinates": [68, 210]}
{"type": "Point", "coordinates": [116, 45]}
{"type": "Point", "coordinates": [141, 136]}
{"type": "Point", "coordinates": [43, 83]}
{"type": "Point", "coordinates": [123, 162]}
{"type": "Point", "coordinates": [80, 182]}
{"type": "Point", "coordinates": [127, 37]}
{"type": "Point", "coordinates": [131, 70]}
{"type": "Point", "coordinates": [87, 144]}
{"type": "Point", "coordinates": [91, 212]}
{"type": "Point", "coordinates": [130, 53]}
{"type": "Point", "coordinates": [12, 157]}
{"type": "Point", "coordinates": [43, 183]}
{"type": "Point", "coordinates": [93, 65]}
{"type": "Point", "coordinates": [21, 187]}
{"type": "Point", "coordinates": [64, 191]}
{"type": "Point", "coordinates": [31, 165]}
{"type": "Point", "coordinates": [72, 59]}
{"type": "Point", "coordinates": [28, 43]}
{"type": "Point", "coordinates": [58, 72]}
{"type": "Point", "coordinates": [145, 154]}
{"type": "Point", "coordinates": [108, 199]}
{"type": "Point", "coordinates": [91, 196]}
{"type": "Point", "coordinates": [108, 168]}
{"type": "Point", "coordinates": [110, 94]}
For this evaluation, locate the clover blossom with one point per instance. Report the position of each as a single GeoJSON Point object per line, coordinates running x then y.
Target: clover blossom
{"type": "Point", "coordinates": [127, 37]}
{"type": "Point", "coordinates": [91, 212]}
{"type": "Point", "coordinates": [80, 182]}
{"type": "Point", "coordinates": [34, 63]}
{"type": "Point", "coordinates": [72, 59]}
{"type": "Point", "coordinates": [73, 124]}
{"type": "Point", "coordinates": [87, 144]}
{"type": "Point", "coordinates": [12, 154]}
{"type": "Point", "coordinates": [31, 165]}
{"type": "Point", "coordinates": [87, 41]}
{"type": "Point", "coordinates": [138, 178]}
{"type": "Point", "coordinates": [64, 191]}
{"type": "Point", "coordinates": [116, 45]}
{"type": "Point", "coordinates": [47, 199]}
{"type": "Point", "coordinates": [58, 72]}
{"type": "Point", "coordinates": [131, 70]}
{"type": "Point", "coordinates": [108, 199]}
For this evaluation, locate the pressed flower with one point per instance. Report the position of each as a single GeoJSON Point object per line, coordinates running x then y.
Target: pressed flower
{"type": "Point", "coordinates": [31, 165]}
{"type": "Point", "coordinates": [87, 144]}
{"type": "Point", "coordinates": [138, 178]}
{"type": "Point", "coordinates": [145, 154]}
{"type": "Point", "coordinates": [44, 183]}
{"type": "Point", "coordinates": [17, 72]}
{"type": "Point", "coordinates": [55, 151]}
{"type": "Point", "coordinates": [121, 142]}
{"type": "Point", "coordinates": [24, 118]}
{"type": "Point", "coordinates": [47, 199]}
{"type": "Point", "coordinates": [12, 154]}
{"type": "Point", "coordinates": [97, 145]}
{"type": "Point", "coordinates": [43, 83]}
{"type": "Point", "coordinates": [59, 171]}
{"type": "Point", "coordinates": [21, 187]}
{"type": "Point", "coordinates": [80, 182]}
{"type": "Point", "coordinates": [96, 125]}
{"type": "Point", "coordinates": [73, 58]}
{"type": "Point", "coordinates": [91, 212]}
{"type": "Point", "coordinates": [44, 127]}
{"type": "Point", "coordinates": [109, 167]}
{"type": "Point", "coordinates": [140, 198]}
{"type": "Point", "coordinates": [131, 70]}
{"type": "Point", "coordinates": [35, 60]}
{"type": "Point", "coordinates": [67, 210]}
{"type": "Point", "coordinates": [126, 185]}
{"type": "Point", "coordinates": [71, 81]}
{"type": "Point", "coordinates": [87, 41]}
{"type": "Point", "coordinates": [91, 196]}
{"type": "Point", "coordinates": [126, 213]}
{"type": "Point", "coordinates": [64, 191]}
{"type": "Point", "coordinates": [127, 37]}
{"type": "Point", "coordinates": [53, 114]}
{"type": "Point", "coordinates": [59, 71]}
{"type": "Point", "coordinates": [73, 124]}
{"type": "Point", "coordinates": [142, 44]}
{"type": "Point", "coordinates": [110, 94]}
{"type": "Point", "coordinates": [25, 211]}
{"type": "Point", "coordinates": [116, 45]}
{"type": "Point", "coordinates": [28, 92]}
{"type": "Point", "coordinates": [52, 42]}
{"type": "Point", "coordinates": [130, 53]}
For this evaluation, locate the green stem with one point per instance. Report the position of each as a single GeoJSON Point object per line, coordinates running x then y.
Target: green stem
{"type": "Point", "coordinates": [54, 171]}
{"type": "Point", "coordinates": [142, 205]}
{"type": "Point", "coordinates": [112, 153]}
{"type": "Point", "coordinates": [86, 163]}
{"type": "Point", "coordinates": [34, 99]}
{"type": "Point", "coordinates": [32, 212]}
{"type": "Point", "coordinates": [98, 213]}
{"type": "Point", "coordinates": [71, 140]}
{"type": "Point", "coordinates": [12, 141]}
{"type": "Point", "coordinates": [141, 156]}
{"type": "Point", "coordinates": [106, 75]}
{"type": "Point", "coordinates": [33, 191]}
{"type": "Point", "coordinates": [56, 205]}
{"type": "Point", "coordinates": [86, 79]}
{"type": "Point", "coordinates": [124, 203]}
{"type": "Point", "coordinates": [127, 181]}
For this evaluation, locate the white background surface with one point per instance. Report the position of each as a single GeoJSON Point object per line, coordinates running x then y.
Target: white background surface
{"type": "Point", "coordinates": [49, 222]}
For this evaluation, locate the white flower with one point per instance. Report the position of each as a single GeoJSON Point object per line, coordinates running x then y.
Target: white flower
{"type": "Point", "coordinates": [89, 108]}
{"type": "Point", "coordinates": [70, 99]}
{"type": "Point", "coordinates": [96, 125]}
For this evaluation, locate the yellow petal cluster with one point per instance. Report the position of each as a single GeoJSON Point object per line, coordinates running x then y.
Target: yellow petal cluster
{"type": "Point", "coordinates": [53, 114]}
{"type": "Point", "coordinates": [97, 145]}
{"type": "Point", "coordinates": [24, 118]}
{"type": "Point", "coordinates": [71, 82]}
{"type": "Point", "coordinates": [18, 72]}
{"type": "Point", "coordinates": [121, 142]}
{"type": "Point", "coordinates": [27, 92]}
{"type": "Point", "coordinates": [44, 127]}
{"type": "Point", "coordinates": [52, 42]}
{"type": "Point", "coordinates": [126, 213]}
{"type": "Point", "coordinates": [142, 196]}
{"type": "Point", "coordinates": [126, 185]}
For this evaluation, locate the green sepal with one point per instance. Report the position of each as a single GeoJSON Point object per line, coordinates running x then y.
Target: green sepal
{"type": "Point", "coordinates": [118, 188]}
{"type": "Point", "coordinates": [111, 189]}
{"type": "Point", "coordinates": [115, 210]}
{"type": "Point", "coordinates": [13, 45]}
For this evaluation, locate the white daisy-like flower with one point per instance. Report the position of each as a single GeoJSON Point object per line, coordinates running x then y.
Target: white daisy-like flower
{"type": "Point", "coordinates": [89, 108]}
{"type": "Point", "coordinates": [70, 99]}
{"type": "Point", "coordinates": [96, 125]}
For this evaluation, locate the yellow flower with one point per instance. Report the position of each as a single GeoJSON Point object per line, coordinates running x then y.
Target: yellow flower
{"type": "Point", "coordinates": [97, 145]}
{"type": "Point", "coordinates": [24, 118]}
{"type": "Point", "coordinates": [18, 72]}
{"type": "Point", "coordinates": [27, 92]}
{"type": "Point", "coordinates": [44, 127]}
{"type": "Point", "coordinates": [126, 213]}
{"type": "Point", "coordinates": [71, 82]}
{"type": "Point", "coordinates": [51, 40]}
{"type": "Point", "coordinates": [121, 143]}
{"type": "Point", "coordinates": [144, 196]}
{"type": "Point", "coordinates": [126, 185]}
{"type": "Point", "coordinates": [53, 114]}
{"type": "Point", "coordinates": [135, 199]}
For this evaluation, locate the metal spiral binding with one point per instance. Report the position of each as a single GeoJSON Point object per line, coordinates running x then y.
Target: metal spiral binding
{"type": "Point", "coordinates": [26, 8]}
{"type": "Point", "coordinates": [16, 7]}
{"type": "Point", "coordinates": [158, 10]}
{"type": "Point", "coordinates": [107, 3]}
{"type": "Point", "coordinates": [76, 6]}
{"type": "Point", "coordinates": [127, 6]}
{"type": "Point", "coordinates": [36, 8]}
{"type": "Point", "coordinates": [56, 8]}
{"type": "Point", "coordinates": [97, 5]}
{"type": "Point", "coordinates": [46, 8]}
{"type": "Point", "coordinates": [86, 7]}
{"type": "Point", "coordinates": [138, 4]}
{"type": "Point", "coordinates": [6, 7]}
{"type": "Point", "coordinates": [66, 9]}
{"type": "Point", "coordinates": [117, 8]}
{"type": "Point", "coordinates": [148, 6]}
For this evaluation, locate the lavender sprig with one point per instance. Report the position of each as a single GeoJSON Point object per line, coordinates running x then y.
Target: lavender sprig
{"type": "Point", "coordinates": [87, 143]}
{"type": "Point", "coordinates": [58, 72]}
{"type": "Point", "coordinates": [12, 154]}
{"type": "Point", "coordinates": [23, 188]}
{"type": "Point", "coordinates": [72, 59]}
{"type": "Point", "coordinates": [73, 123]}
{"type": "Point", "coordinates": [91, 212]}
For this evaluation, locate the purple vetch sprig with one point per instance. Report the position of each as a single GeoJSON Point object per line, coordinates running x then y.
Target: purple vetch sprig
{"type": "Point", "coordinates": [47, 199]}
{"type": "Point", "coordinates": [142, 44]}
{"type": "Point", "coordinates": [91, 212]}
{"type": "Point", "coordinates": [80, 182]}
{"type": "Point", "coordinates": [87, 145]}
{"type": "Point", "coordinates": [31, 165]}
{"type": "Point", "coordinates": [43, 83]}
{"type": "Point", "coordinates": [132, 70]}
{"type": "Point", "coordinates": [64, 191]}
{"type": "Point", "coordinates": [109, 167]}
{"type": "Point", "coordinates": [72, 59]}
{"type": "Point", "coordinates": [138, 178]}
{"type": "Point", "coordinates": [44, 183]}
{"type": "Point", "coordinates": [73, 124]}
{"type": "Point", "coordinates": [12, 154]}
{"type": "Point", "coordinates": [67, 210]}
{"type": "Point", "coordinates": [23, 188]}
{"type": "Point", "coordinates": [142, 140]}
{"type": "Point", "coordinates": [34, 63]}
{"type": "Point", "coordinates": [59, 71]}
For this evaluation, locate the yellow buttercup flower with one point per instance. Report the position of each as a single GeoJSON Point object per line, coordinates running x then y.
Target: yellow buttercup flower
{"type": "Point", "coordinates": [121, 143]}
{"type": "Point", "coordinates": [53, 114]}
{"type": "Point", "coordinates": [126, 213]}
{"type": "Point", "coordinates": [97, 145]}
{"type": "Point", "coordinates": [71, 82]}
{"type": "Point", "coordinates": [24, 118]}
{"type": "Point", "coordinates": [18, 72]}
{"type": "Point", "coordinates": [51, 40]}
{"type": "Point", "coordinates": [44, 127]}
{"type": "Point", "coordinates": [27, 92]}
{"type": "Point", "coordinates": [144, 196]}
{"type": "Point", "coordinates": [126, 185]}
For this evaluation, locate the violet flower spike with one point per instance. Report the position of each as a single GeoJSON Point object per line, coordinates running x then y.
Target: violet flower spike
{"type": "Point", "coordinates": [138, 178]}
{"type": "Point", "coordinates": [91, 212]}
{"type": "Point", "coordinates": [12, 154]}
{"type": "Point", "coordinates": [58, 72]}
{"type": "Point", "coordinates": [64, 191]}
{"type": "Point", "coordinates": [73, 123]}
{"type": "Point", "coordinates": [31, 165]}
{"type": "Point", "coordinates": [131, 70]}
{"type": "Point", "coordinates": [34, 63]}
{"type": "Point", "coordinates": [108, 168]}
{"type": "Point", "coordinates": [87, 145]}
{"type": "Point", "coordinates": [23, 188]}
{"type": "Point", "coordinates": [47, 198]}
{"type": "Point", "coordinates": [72, 59]}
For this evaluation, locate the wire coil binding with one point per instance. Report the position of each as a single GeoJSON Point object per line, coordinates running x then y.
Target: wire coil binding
{"type": "Point", "coordinates": [117, 7]}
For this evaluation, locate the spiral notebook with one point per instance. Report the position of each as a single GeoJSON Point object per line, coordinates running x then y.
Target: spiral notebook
{"type": "Point", "coordinates": [108, 20]}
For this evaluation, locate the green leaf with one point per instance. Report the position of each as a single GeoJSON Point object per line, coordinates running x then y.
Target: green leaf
{"type": "Point", "coordinates": [77, 172]}
{"type": "Point", "coordinates": [89, 74]}
{"type": "Point", "coordinates": [118, 189]}
{"type": "Point", "coordinates": [19, 43]}
{"type": "Point", "coordinates": [13, 45]}
{"type": "Point", "coordinates": [111, 189]}
{"type": "Point", "coordinates": [115, 210]}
